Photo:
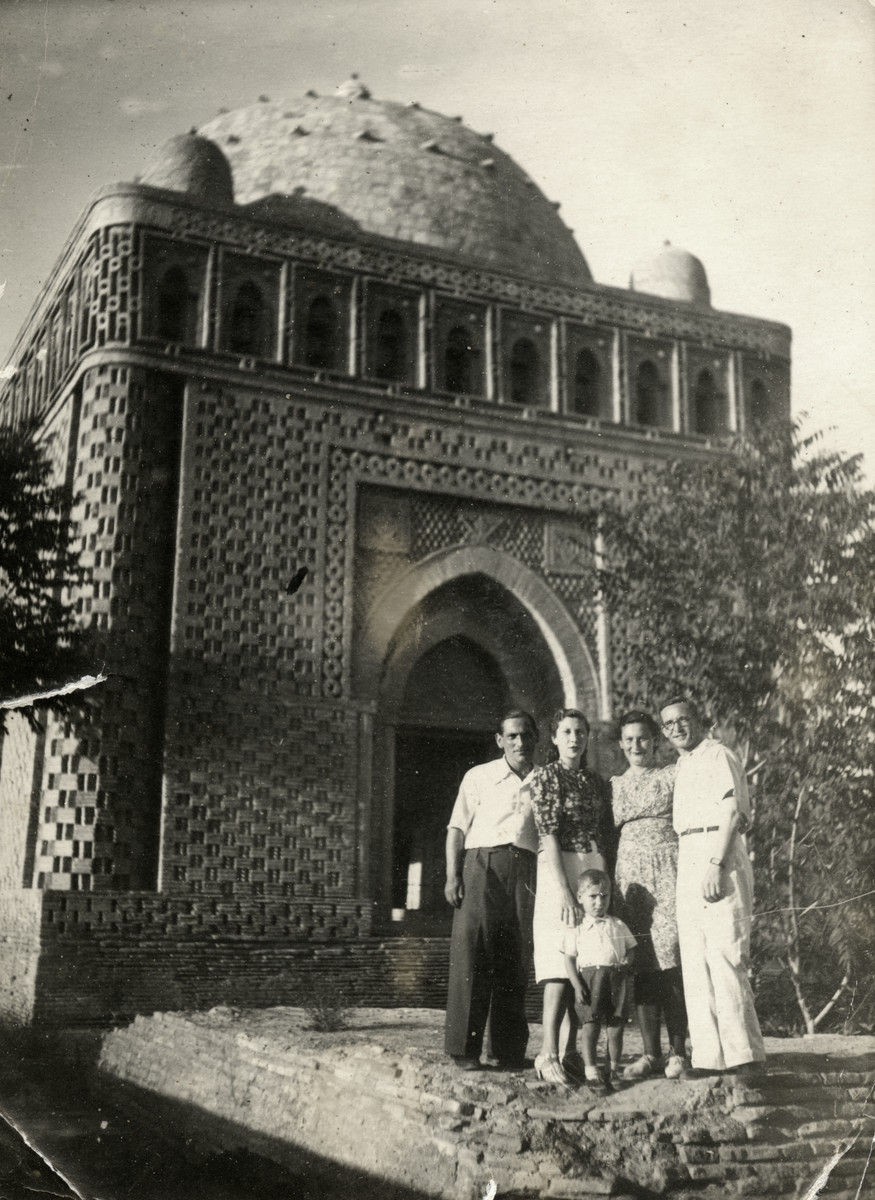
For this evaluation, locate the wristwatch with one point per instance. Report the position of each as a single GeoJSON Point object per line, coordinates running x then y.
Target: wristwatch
{"type": "Point", "coordinates": [716, 862]}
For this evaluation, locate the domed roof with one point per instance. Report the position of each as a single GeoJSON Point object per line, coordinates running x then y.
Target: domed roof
{"type": "Point", "coordinates": [402, 172]}
{"type": "Point", "coordinates": [192, 164]}
{"type": "Point", "coordinates": [672, 273]}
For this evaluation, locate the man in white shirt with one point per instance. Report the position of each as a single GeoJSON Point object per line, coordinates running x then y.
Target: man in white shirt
{"type": "Point", "coordinates": [491, 852]}
{"type": "Point", "coordinates": [714, 895]}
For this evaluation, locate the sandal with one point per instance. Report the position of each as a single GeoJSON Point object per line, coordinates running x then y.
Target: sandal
{"type": "Point", "coordinates": [549, 1069]}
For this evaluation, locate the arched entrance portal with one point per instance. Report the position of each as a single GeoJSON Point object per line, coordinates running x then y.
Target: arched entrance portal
{"type": "Point", "coordinates": [468, 650]}
{"type": "Point", "coordinates": [444, 727]}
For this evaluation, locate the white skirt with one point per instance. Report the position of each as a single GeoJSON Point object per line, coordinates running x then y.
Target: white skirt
{"type": "Point", "coordinates": [548, 928]}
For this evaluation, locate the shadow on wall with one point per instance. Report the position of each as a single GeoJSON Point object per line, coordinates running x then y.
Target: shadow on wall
{"type": "Point", "coordinates": [223, 1159]}
{"type": "Point", "coordinates": [130, 1141]}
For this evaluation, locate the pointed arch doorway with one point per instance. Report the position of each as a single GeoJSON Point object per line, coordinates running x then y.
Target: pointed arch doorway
{"type": "Point", "coordinates": [466, 652]}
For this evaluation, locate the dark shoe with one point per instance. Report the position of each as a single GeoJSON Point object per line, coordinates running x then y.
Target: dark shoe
{"type": "Point", "coordinates": [574, 1068]}
{"type": "Point", "coordinates": [597, 1087]}
{"type": "Point", "coordinates": [464, 1063]}
{"type": "Point", "coordinates": [700, 1073]}
{"type": "Point", "coordinates": [509, 1064]}
{"type": "Point", "coordinates": [749, 1070]}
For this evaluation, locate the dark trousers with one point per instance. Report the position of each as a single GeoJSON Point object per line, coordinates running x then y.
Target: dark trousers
{"type": "Point", "coordinates": [491, 953]}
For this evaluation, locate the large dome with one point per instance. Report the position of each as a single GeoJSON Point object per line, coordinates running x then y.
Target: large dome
{"type": "Point", "coordinates": [399, 171]}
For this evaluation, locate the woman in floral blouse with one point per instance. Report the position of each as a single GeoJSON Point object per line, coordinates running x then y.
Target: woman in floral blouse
{"type": "Point", "coordinates": [647, 867]}
{"type": "Point", "coordinates": [571, 809]}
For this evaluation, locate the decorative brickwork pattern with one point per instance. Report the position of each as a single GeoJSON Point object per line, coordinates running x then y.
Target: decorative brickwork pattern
{"type": "Point", "coordinates": [97, 298]}
{"type": "Point", "coordinates": [109, 284]}
{"type": "Point", "coordinates": [261, 794]}
{"type": "Point", "coordinates": [94, 304]}
{"type": "Point", "coordinates": [113, 955]}
{"type": "Point", "coordinates": [596, 305]}
{"type": "Point", "coordinates": [261, 776]}
{"type": "Point", "coordinates": [100, 777]}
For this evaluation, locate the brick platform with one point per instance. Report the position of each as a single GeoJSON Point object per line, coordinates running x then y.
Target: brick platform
{"type": "Point", "coordinates": [380, 1099]}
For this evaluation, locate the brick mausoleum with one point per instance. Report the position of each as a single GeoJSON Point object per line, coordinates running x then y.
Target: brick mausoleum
{"type": "Point", "coordinates": [351, 338]}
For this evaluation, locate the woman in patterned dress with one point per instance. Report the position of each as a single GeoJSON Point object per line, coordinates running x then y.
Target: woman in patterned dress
{"type": "Point", "coordinates": [645, 883]}
{"type": "Point", "coordinates": [572, 814]}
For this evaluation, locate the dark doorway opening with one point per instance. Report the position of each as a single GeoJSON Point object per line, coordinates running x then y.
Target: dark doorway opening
{"type": "Point", "coordinates": [429, 765]}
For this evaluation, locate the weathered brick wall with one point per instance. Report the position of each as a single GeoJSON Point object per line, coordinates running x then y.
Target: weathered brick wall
{"type": "Point", "coordinates": [103, 957]}
{"type": "Point", "coordinates": [406, 1117]}
{"type": "Point", "coordinates": [20, 752]}
{"type": "Point", "coordinates": [20, 918]}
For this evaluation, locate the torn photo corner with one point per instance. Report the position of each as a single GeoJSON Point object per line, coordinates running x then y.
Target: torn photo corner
{"type": "Point", "coordinates": [75, 685]}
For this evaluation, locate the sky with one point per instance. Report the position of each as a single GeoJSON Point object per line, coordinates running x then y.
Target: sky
{"type": "Point", "coordinates": [743, 132]}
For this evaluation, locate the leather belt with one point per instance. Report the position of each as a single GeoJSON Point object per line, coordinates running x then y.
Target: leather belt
{"type": "Point", "coordinates": [701, 829]}
{"type": "Point", "coordinates": [503, 846]}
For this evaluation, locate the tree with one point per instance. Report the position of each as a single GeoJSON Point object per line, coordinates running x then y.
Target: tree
{"type": "Point", "coordinates": [747, 579]}
{"type": "Point", "coordinates": [39, 639]}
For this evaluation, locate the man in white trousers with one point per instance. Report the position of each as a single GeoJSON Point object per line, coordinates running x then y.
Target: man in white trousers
{"type": "Point", "coordinates": [714, 895]}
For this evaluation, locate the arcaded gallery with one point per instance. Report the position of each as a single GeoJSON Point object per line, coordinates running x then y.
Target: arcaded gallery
{"type": "Point", "coordinates": [331, 384]}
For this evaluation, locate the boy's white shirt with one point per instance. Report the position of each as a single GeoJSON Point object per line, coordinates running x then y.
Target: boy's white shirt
{"type": "Point", "coordinates": [598, 942]}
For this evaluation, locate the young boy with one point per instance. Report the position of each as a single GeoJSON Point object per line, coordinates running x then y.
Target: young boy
{"type": "Point", "coordinates": [598, 961]}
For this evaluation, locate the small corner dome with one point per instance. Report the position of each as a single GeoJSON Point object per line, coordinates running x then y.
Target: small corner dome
{"type": "Point", "coordinates": [672, 273]}
{"type": "Point", "coordinates": [192, 164]}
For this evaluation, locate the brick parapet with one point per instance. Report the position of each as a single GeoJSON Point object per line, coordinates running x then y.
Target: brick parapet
{"type": "Point", "coordinates": [102, 956]}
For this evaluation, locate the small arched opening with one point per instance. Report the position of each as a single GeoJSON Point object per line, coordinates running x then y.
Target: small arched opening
{"type": "Point", "coordinates": [390, 347]}
{"type": "Point", "coordinates": [461, 361]}
{"type": "Point", "coordinates": [585, 397]}
{"type": "Point", "coordinates": [247, 329]}
{"type": "Point", "coordinates": [649, 396]}
{"type": "Point", "coordinates": [707, 415]}
{"type": "Point", "coordinates": [175, 307]}
{"type": "Point", "coordinates": [321, 341]}
{"type": "Point", "coordinates": [524, 366]}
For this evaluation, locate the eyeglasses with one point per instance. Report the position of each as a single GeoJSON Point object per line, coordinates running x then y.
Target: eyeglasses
{"type": "Point", "coordinates": [680, 723]}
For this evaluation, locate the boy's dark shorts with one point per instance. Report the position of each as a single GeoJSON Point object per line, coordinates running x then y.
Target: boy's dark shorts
{"type": "Point", "coordinates": [610, 995]}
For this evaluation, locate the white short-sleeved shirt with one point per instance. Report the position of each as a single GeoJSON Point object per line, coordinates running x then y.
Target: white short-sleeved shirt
{"type": "Point", "coordinates": [704, 779]}
{"type": "Point", "coordinates": [494, 807]}
{"type": "Point", "coordinates": [599, 942]}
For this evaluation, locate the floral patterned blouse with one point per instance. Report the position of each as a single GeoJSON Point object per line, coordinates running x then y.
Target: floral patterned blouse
{"type": "Point", "coordinates": [642, 805]}
{"type": "Point", "coordinates": [571, 804]}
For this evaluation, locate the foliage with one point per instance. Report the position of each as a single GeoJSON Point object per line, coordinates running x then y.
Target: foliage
{"type": "Point", "coordinates": [39, 640]}
{"type": "Point", "coordinates": [325, 1005]}
{"type": "Point", "coordinates": [746, 581]}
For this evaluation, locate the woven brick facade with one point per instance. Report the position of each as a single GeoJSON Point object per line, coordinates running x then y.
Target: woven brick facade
{"type": "Point", "coordinates": [306, 456]}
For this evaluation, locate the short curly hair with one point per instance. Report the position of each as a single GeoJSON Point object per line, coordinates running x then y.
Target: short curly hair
{"type": "Point", "coordinates": [637, 716]}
